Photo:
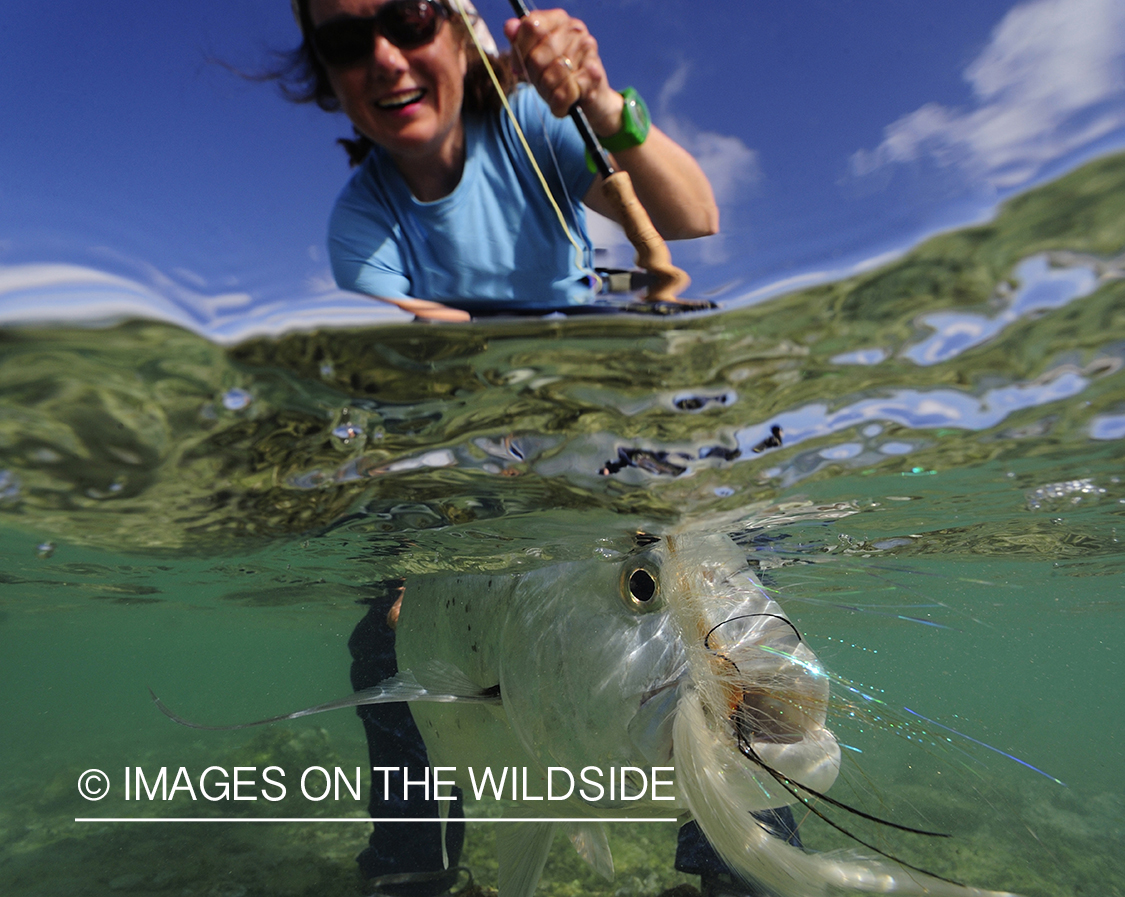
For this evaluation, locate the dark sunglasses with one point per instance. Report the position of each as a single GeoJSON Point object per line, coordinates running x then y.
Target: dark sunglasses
{"type": "Point", "coordinates": [408, 24]}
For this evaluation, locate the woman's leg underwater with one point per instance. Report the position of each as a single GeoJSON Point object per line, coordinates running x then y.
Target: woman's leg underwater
{"type": "Point", "coordinates": [400, 849]}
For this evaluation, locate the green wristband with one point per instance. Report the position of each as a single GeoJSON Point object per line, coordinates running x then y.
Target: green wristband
{"type": "Point", "coordinates": [635, 125]}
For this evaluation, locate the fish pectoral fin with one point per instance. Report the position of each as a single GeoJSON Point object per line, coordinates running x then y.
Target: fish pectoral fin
{"type": "Point", "coordinates": [396, 689]}
{"type": "Point", "coordinates": [442, 678]}
{"type": "Point", "coordinates": [592, 843]}
{"type": "Point", "coordinates": [522, 849]}
{"type": "Point", "coordinates": [442, 687]}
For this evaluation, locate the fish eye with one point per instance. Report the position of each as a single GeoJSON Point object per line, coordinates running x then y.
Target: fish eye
{"type": "Point", "coordinates": [639, 587]}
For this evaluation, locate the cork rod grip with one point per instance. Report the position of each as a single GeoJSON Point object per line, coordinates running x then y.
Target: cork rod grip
{"type": "Point", "coordinates": [652, 252]}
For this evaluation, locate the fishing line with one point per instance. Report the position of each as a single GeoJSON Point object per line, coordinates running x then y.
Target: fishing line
{"type": "Point", "coordinates": [579, 249]}
{"type": "Point", "coordinates": [571, 205]}
{"type": "Point", "coordinates": [551, 151]}
{"type": "Point", "coordinates": [783, 619]}
{"type": "Point", "coordinates": [787, 784]}
{"type": "Point", "coordinates": [989, 746]}
{"type": "Point", "coordinates": [850, 686]}
{"type": "Point", "coordinates": [747, 751]}
{"type": "Point", "coordinates": [585, 262]}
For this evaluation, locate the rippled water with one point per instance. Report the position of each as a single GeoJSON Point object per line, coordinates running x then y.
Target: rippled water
{"type": "Point", "coordinates": [941, 519]}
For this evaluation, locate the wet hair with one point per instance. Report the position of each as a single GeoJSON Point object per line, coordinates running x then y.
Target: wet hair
{"type": "Point", "coordinates": [303, 79]}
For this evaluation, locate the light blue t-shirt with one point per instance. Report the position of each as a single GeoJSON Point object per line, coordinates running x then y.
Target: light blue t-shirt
{"type": "Point", "coordinates": [494, 243]}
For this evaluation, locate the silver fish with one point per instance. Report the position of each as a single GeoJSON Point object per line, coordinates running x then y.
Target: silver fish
{"type": "Point", "coordinates": [674, 655]}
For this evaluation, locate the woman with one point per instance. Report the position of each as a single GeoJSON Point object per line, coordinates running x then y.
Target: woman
{"type": "Point", "coordinates": [445, 216]}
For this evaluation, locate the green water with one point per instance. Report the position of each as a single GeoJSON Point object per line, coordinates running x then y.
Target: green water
{"type": "Point", "coordinates": [941, 520]}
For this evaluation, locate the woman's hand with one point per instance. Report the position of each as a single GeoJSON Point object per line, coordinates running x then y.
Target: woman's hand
{"type": "Point", "coordinates": [560, 58]}
{"type": "Point", "coordinates": [427, 310]}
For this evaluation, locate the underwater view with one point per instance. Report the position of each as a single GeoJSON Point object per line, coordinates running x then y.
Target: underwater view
{"type": "Point", "coordinates": [822, 574]}
{"type": "Point", "coordinates": [923, 463]}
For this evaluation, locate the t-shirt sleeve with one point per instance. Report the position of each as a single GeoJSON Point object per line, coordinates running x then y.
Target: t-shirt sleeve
{"type": "Point", "coordinates": [364, 248]}
{"type": "Point", "coordinates": [537, 122]}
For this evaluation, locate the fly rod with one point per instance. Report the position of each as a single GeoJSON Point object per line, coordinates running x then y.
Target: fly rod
{"type": "Point", "coordinates": [666, 280]}
{"type": "Point", "coordinates": [597, 151]}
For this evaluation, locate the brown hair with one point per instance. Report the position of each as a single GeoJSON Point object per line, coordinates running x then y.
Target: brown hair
{"type": "Point", "coordinates": [303, 79]}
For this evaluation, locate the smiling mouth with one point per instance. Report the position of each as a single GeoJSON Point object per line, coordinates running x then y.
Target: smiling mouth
{"type": "Point", "coordinates": [401, 100]}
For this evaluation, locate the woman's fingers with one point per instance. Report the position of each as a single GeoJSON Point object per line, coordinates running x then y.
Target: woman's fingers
{"type": "Point", "coordinates": [427, 310]}
{"type": "Point", "coordinates": [560, 58]}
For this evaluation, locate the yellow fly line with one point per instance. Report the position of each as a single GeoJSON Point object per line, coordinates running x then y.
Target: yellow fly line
{"type": "Point", "coordinates": [579, 249]}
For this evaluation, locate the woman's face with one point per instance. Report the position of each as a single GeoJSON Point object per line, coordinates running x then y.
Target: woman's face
{"type": "Point", "coordinates": [407, 101]}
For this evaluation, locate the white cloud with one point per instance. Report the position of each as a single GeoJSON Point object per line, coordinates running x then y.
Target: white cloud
{"type": "Point", "coordinates": [729, 164]}
{"type": "Point", "coordinates": [1050, 82]}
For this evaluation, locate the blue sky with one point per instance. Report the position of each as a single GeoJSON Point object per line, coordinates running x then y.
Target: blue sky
{"type": "Point", "coordinates": [136, 173]}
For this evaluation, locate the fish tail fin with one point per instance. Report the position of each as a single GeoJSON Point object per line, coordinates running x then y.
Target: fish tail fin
{"type": "Point", "coordinates": [522, 849]}
{"type": "Point", "coordinates": [592, 843]}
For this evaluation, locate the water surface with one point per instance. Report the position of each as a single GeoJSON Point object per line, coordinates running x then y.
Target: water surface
{"type": "Point", "coordinates": [941, 520]}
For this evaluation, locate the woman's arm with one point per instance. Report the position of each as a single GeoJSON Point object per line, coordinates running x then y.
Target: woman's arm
{"type": "Point", "coordinates": [427, 310]}
{"type": "Point", "coordinates": [560, 57]}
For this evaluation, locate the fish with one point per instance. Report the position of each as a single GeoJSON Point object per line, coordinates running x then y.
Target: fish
{"type": "Point", "coordinates": [671, 654]}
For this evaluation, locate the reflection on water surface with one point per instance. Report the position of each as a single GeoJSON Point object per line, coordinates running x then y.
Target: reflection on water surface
{"type": "Point", "coordinates": [942, 518]}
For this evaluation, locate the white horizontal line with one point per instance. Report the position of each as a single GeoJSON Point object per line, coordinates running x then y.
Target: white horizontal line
{"type": "Point", "coordinates": [364, 819]}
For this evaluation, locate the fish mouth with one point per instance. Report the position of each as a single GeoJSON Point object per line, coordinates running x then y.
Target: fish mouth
{"type": "Point", "coordinates": [770, 717]}
{"type": "Point", "coordinates": [659, 689]}
{"type": "Point", "coordinates": [400, 100]}
{"type": "Point", "coordinates": [651, 726]}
